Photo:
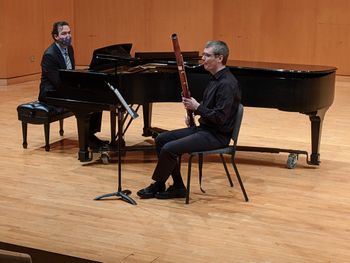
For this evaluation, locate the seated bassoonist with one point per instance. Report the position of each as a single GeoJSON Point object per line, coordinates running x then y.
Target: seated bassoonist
{"type": "Point", "coordinates": [221, 99]}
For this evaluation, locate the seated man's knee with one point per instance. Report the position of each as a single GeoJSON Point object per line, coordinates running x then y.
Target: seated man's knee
{"type": "Point", "coordinates": [166, 147]}
{"type": "Point", "coordinates": [161, 139]}
{"type": "Point", "coordinates": [168, 150]}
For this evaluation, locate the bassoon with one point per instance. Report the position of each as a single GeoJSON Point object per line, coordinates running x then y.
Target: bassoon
{"type": "Point", "coordinates": [182, 74]}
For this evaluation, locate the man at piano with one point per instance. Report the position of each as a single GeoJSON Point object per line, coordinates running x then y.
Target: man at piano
{"type": "Point", "coordinates": [60, 55]}
{"type": "Point", "coordinates": [216, 119]}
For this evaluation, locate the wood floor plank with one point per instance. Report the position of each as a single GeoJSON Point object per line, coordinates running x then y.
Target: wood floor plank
{"type": "Point", "coordinates": [294, 215]}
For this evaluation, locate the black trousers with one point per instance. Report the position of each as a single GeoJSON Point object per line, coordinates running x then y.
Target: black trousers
{"type": "Point", "coordinates": [170, 145]}
{"type": "Point", "coordinates": [95, 123]}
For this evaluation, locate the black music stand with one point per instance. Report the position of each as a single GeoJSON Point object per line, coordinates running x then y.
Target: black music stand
{"type": "Point", "coordinates": [123, 194]}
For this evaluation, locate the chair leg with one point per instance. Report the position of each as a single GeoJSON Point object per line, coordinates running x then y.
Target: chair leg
{"type": "Point", "coordinates": [226, 170]}
{"type": "Point", "coordinates": [189, 179]}
{"type": "Point", "coordinates": [239, 179]}
{"type": "Point", "coordinates": [24, 134]}
{"type": "Point", "coordinates": [200, 169]}
{"type": "Point", "coordinates": [61, 127]}
{"type": "Point", "coordinates": [47, 136]}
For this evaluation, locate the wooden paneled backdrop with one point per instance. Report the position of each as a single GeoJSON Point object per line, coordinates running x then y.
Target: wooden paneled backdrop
{"type": "Point", "coordinates": [289, 31]}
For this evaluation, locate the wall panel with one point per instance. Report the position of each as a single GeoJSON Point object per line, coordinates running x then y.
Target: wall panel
{"type": "Point", "coordinates": [332, 43]}
{"type": "Point", "coordinates": [288, 31]}
{"type": "Point", "coordinates": [21, 35]}
{"type": "Point", "coordinates": [3, 42]}
{"type": "Point", "coordinates": [25, 33]}
{"type": "Point", "coordinates": [147, 24]}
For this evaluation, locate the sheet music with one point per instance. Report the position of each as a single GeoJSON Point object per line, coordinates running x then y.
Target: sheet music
{"type": "Point", "coordinates": [131, 112]}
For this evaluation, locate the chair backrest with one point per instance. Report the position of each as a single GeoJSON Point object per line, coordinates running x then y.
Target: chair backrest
{"type": "Point", "coordinates": [237, 126]}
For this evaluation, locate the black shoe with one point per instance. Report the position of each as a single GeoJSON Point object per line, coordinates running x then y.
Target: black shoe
{"type": "Point", "coordinates": [151, 190]}
{"type": "Point", "coordinates": [96, 142]}
{"type": "Point", "coordinates": [172, 192]}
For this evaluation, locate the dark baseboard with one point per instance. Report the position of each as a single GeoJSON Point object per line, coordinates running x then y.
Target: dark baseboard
{"type": "Point", "coordinates": [42, 256]}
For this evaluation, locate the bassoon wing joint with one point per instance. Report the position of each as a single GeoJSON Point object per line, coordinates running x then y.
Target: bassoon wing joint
{"type": "Point", "coordinates": [182, 75]}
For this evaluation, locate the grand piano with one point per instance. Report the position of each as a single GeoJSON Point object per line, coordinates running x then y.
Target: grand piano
{"type": "Point", "coordinates": [151, 77]}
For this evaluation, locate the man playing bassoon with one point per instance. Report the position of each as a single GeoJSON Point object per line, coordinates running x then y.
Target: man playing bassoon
{"type": "Point", "coordinates": [217, 110]}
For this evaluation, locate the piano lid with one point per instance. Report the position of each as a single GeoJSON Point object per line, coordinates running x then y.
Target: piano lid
{"type": "Point", "coordinates": [118, 51]}
{"type": "Point", "coordinates": [191, 55]}
{"type": "Point", "coordinates": [280, 67]}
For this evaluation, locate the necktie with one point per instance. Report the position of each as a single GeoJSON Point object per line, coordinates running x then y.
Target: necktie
{"type": "Point", "coordinates": [67, 59]}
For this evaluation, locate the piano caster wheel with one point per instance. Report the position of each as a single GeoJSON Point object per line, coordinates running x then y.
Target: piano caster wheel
{"type": "Point", "coordinates": [105, 158]}
{"type": "Point", "coordinates": [292, 160]}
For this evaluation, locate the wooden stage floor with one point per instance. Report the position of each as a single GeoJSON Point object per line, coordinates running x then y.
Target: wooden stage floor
{"type": "Point", "coordinates": [294, 215]}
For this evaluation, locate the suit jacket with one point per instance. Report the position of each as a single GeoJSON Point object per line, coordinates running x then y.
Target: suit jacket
{"type": "Point", "coordinates": [51, 62]}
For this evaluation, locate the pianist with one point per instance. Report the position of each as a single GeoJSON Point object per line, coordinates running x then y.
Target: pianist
{"type": "Point", "coordinates": [217, 110]}
{"type": "Point", "coordinates": [60, 55]}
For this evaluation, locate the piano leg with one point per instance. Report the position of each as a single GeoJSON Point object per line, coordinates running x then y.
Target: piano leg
{"type": "Point", "coordinates": [316, 119]}
{"type": "Point", "coordinates": [147, 119]}
{"type": "Point", "coordinates": [83, 123]}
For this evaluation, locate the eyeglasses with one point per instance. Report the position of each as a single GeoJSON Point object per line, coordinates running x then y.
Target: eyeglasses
{"type": "Point", "coordinates": [208, 55]}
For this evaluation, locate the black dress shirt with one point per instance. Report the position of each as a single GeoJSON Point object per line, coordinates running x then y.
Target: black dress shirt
{"type": "Point", "coordinates": [220, 103]}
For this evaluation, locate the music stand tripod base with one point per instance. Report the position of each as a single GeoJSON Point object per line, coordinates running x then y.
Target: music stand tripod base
{"type": "Point", "coordinates": [124, 195]}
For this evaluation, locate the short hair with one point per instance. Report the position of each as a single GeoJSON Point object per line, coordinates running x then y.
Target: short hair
{"type": "Point", "coordinates": [56, 26]}
{"type": "Point", "coordinates": [219, 48]}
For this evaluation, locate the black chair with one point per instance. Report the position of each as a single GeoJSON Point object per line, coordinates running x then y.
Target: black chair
{"type": "Point", "coordinates": [231, 150]}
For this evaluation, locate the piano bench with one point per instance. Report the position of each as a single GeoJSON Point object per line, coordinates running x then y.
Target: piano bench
{"type": "Point", "coordinates": [37, 112]}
